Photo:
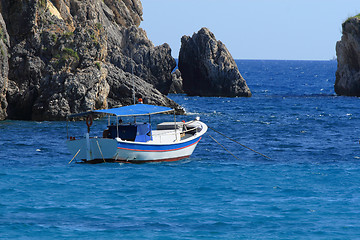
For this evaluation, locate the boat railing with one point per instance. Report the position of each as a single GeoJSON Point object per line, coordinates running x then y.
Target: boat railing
{"type": "Point", "coordinates": [172, 135]}
{"type": "Point", "coordinates": [171, 132]}
{"type": "Point", "coordinates": [162, 132]}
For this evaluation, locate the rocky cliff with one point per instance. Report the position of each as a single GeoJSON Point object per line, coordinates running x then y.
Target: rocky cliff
{"type": "Point", "coordinates": [4, 68]}
{"type": "Point", "coordinates": [70, 56]}
{"type": "Point", "coordinates": [208, 69]}
{"type": "Point", "coordinates": [348, 57]}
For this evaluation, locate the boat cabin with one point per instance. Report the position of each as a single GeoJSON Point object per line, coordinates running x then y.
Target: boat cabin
{"type": "Point", "coordinates": [137, 132]}
{"type": "Point", "coordinates": [142, 132]}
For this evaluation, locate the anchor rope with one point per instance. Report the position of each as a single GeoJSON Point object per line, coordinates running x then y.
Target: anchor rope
{"type": "Point", "coordinates": [100, 151]}
{"type": "Point", "coordinates": [75, 155]}
{"type": "Point", "coordinates": [223, 147]}
{"type": "Point", "coordinates": [238, 143]}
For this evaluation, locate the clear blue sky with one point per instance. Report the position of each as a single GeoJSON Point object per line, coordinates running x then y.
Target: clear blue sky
{"type": "Point", "coordinates": [253, 29]}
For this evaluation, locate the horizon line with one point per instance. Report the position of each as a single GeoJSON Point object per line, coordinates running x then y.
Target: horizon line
{"type": "Point", "coordinates": [268, 59]}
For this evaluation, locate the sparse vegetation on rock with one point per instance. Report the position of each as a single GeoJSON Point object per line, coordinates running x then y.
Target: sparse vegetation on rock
{"type": "Point", "coordinates": [68, 56]}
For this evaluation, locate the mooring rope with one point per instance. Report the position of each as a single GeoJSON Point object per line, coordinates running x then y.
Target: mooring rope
{"type": "Point", "coordinates": [238, 142]}
{"type": "Point", "coordinates": [100, 151]}
{"type": "Point", "coordinates": [223, 147]}
{"type": "Point", "coordinates": [75, 155]}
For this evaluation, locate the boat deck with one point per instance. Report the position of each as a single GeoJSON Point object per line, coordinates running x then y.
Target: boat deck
{"type": "Point", "coordinates": [165, 136]}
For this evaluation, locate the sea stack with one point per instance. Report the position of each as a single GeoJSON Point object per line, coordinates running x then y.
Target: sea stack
{"type": "Point", "coordinates": [73, 56]}
{"type": "Point", "coordinates": [208, 69]}
{"type": "Point", "coordinates": [348, 56]}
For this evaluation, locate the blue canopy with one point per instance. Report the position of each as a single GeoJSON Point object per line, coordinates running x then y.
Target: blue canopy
{"type": "Point", "coordinates": [131, 110]}
{"type": "Point", "coordinates": [135, 110]}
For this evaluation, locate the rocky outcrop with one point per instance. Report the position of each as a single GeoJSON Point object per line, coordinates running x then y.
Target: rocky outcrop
{"type": "Point", "coordinates": [208, 69]}
{"type": "Point", "coordinates": [69, 56]}
{"type": "Point", "coordinates": [121, 88]}
{"type": "Point", "coordinates": [138, 55]}
{"type": "Point", "coordinates": [348, 56]}
{"type": "Point", "coordinates": [4, 67]}
{"type": "Point", "coordinates": [177, 82]}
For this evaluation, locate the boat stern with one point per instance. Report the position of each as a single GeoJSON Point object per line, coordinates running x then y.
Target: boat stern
{"type": "Point", "coordinates": [89, 149]}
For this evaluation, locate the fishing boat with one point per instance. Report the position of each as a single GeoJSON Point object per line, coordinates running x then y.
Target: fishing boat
{"type": "Point", "coordinates": [136, 142]}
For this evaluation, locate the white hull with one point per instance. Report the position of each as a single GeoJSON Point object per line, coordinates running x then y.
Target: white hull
{"type": "Point", "coordinates": [117, 150]}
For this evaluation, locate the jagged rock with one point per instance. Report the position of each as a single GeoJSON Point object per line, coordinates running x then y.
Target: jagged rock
{"type": "Point", "coordinates": [121, 90]}
{"type": "Point", "coordinates": [177, 82]}
{"type": "Point", "coordinates": [71, 92]}
{"type": "Point", "coordinates": [139, 56]}
{"type": "Point", "coordinates": [208, 69]}
{"type": "Point", "coordinates": [4, 67]}
{"type": "Point", "coordinates": [348, 56]}
{"type": "Point", "coordinates": [62, 50]}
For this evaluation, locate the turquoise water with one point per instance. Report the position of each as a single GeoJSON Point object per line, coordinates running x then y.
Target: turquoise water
{"type": "Point", "coordinates": [310, 189]}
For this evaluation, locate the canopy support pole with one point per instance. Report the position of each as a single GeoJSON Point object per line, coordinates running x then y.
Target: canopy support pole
{"type": "Point", "coordinates": [151, 137]}
{"type": "Point", "coordinates": [175, 126]}
{"type": "Point", "coordinates": [117, 127]}
{"type": "Point", "coordinates": [88, 147]}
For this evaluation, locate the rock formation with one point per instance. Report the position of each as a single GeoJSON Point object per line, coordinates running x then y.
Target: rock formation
{"type": "Point", "coordinates": [177, 82]}
{"type": "Point", "coordinates": [208, 69]}
{"type": "Point", "coordinates": [71, 56]}
{"type": "Point", "coordinates": [4, 67]}
{"type": "Point", "coordinates": [348, 56]}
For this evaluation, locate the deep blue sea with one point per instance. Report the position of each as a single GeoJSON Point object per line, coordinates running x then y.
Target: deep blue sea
{"type": "Point", "coordinates": [309, 189]}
